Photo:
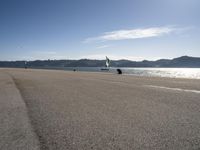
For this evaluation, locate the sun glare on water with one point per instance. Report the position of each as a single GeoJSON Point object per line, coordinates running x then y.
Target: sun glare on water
{"type": "Point", "coordinates": [193, 73]}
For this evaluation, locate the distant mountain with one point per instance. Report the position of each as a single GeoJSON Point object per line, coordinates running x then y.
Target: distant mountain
{"type": "Point", "coordinates": [185, 61]}
{"type": "Point", "coordinates": [180, 62]}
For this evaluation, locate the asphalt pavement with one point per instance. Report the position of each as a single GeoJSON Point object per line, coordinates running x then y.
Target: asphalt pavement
{"type": "Point", "coordinates": [62, 110]}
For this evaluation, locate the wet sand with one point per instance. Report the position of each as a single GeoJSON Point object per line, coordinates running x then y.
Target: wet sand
{"type": "Point", "coordinates": [58, 110]}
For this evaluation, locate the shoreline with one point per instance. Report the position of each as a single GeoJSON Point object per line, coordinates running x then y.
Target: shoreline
{"type": "Point", "coordinates": [115, 73]}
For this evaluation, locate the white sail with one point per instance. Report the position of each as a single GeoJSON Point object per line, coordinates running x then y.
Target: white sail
{"type": "Point", "coordinates": [107, 62]}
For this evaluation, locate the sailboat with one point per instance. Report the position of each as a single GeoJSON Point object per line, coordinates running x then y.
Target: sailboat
{"type": "Point", "coordinates": [107, 65]}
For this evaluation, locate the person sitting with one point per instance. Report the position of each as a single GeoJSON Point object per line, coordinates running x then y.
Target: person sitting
{"type": "Point", "coordinates": [119, 71]}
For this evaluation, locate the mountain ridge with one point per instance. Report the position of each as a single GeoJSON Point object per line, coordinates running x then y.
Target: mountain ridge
{"type": "Point", "coordinates": [179, 62]}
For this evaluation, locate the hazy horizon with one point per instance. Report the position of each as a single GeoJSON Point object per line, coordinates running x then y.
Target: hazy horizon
{"type": "Point", "coordinates": [99, 59]}
{"type": "Point", "coordinates": [120, 29]}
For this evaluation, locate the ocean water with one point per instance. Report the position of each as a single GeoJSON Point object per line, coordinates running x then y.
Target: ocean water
{"type": "Point", "coordinates": [192, 73]}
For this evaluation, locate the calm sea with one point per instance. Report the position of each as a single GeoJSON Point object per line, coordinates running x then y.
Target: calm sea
{"type": "Point", "coordinates": [193, 73]}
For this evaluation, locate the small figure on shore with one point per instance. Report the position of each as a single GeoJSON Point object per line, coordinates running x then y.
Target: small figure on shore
{"type": "Point", "coordinates": [74, 70]}
{"type": "Point", "coordinates": [119, 71]}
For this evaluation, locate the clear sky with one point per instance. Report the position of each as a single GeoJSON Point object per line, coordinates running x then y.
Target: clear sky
{"type": "Point", "coordinates": [119, 29]}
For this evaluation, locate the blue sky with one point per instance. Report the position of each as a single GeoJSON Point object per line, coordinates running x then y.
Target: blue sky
{"type": "Point", "coordinates": [119, 29]}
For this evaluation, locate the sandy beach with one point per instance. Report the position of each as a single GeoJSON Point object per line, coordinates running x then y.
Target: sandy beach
{"type": "Point", "coordinates": [60, 110]}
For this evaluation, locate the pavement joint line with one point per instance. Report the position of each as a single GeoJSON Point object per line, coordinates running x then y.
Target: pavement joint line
{"type": "Point", "coordinates": [174, 89]}
{"type": "Point", "coordinates": [28, 115]}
